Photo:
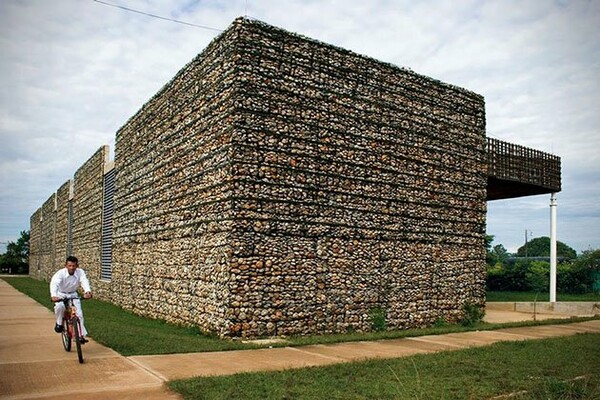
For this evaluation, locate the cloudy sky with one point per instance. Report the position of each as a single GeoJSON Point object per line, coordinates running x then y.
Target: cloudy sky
{"type": "Point", "coordinates": [73, 71]}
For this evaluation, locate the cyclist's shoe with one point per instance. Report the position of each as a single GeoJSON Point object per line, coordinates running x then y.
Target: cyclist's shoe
{"type": "Point", "coordinates": [83, 340]}
{"type": "Point", "coordinates": [58, 328]}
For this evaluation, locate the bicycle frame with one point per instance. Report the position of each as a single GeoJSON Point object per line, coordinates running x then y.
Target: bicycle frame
{"type": "Point", "coordinates": [71, 327]}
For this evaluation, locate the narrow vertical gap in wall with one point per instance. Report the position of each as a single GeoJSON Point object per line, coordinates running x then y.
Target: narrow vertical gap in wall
{"type": "Point", "coordinates": [70, 221]}
{"type": "Point", "coordinates": [107, 217]}
{"type": "Point", "coordinates": [69, 228]}
{"type": "Point", "coordinates": [54, 222]}
{"type": "Point", "coordinates": [39, 258]}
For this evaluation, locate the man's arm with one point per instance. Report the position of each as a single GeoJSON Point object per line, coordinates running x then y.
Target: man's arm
{"type": "Point", "coordinates": [54, 285]}
{"type": "Point", "coordinates": [85, 284]}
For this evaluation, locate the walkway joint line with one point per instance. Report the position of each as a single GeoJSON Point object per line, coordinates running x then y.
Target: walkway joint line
{"type": "Point", "coordinates": [333, 358]}
{"type": "Point", "coordinates": [149, 370]}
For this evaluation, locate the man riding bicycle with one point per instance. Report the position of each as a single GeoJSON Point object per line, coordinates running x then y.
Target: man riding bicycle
{"type": "Point", "coordinates": [65, 283]}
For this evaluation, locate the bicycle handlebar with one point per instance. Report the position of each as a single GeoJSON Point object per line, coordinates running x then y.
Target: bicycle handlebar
{"type": "Point", "coordinates": [70, 298]}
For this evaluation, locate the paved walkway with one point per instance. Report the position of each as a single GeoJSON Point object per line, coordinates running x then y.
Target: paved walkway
{"type": "Point", "coordinates": [178, 366]}
{"type": "Point", "coordinates": [34, 365]}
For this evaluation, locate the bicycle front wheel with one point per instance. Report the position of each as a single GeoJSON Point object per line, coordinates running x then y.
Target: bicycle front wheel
{"type": "Point", "coordinates": [77, 338]}
{"type": "Point", "coordinates": [66, 336]}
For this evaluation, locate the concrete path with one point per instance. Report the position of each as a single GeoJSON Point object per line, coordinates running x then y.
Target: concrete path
{"type": "Point", "coordinates": [178, 366]}
{"type": "Point", "coordinates": [500, 316]}
{"type": "Point", "coordinates": [33, 363]}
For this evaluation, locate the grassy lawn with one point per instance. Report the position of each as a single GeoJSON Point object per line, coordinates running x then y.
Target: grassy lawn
{"type": "Point", "coordinates": [558, 368]}
{"type": "Point", "coordinates": [127, 333]}
{"type": "Point", "coordinates": [532, 296]}
{"type": "Point", "coordinates": [130, 334]}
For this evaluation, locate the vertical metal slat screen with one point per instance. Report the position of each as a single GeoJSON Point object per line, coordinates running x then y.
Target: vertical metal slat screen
{"type": "Point", "coordinates": [107, 216]}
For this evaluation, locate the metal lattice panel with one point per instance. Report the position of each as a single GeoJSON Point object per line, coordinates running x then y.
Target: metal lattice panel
{"type": "Point", "coordinates": [107, 219]}
{"type": "Point", "coordinates": [515, 171]}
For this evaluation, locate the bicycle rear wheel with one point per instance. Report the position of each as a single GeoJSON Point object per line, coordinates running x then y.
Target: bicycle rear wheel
{"type": "Point", "coordinates": [77, 338]}
{"type": "Point", "coordinates": [66, 336]}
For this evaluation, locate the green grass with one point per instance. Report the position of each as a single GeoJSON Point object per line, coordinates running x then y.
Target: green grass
{"type": "Point", "coordinates": [127, 333]}
{"type": "Point", "coordinates": [130, 334]}
{"type": "Point", "coordinates": [546, 369]}
{"type": "Point", "coordinates": [531, 296]}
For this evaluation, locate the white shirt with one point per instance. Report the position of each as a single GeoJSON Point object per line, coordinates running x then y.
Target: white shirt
{"type": "Point", "coordinates": [62, 283]}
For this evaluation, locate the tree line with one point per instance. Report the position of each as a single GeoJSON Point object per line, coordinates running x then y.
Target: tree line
{"type": "Point", "coordinates": [16, 258]}
{"type": "Point", "coordinates": [529, 268]}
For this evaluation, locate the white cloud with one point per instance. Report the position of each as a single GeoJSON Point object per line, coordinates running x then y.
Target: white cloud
{"type": "Point", "coordinates": [74, 71]}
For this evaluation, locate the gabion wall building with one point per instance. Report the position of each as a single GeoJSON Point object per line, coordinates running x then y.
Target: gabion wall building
{"type": "Point", "coordinates": [278, 185]}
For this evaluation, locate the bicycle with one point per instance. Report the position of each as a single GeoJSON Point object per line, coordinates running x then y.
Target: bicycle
{"type": "Point", "coordinates": [71, 327]}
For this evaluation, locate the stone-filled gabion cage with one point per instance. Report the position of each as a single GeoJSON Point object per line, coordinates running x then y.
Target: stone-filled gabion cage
{"type": "Point", "coordinates": [278, 185]}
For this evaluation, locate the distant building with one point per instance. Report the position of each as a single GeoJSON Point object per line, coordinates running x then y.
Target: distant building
{"type": "Point", "coordinates": [278, 185]}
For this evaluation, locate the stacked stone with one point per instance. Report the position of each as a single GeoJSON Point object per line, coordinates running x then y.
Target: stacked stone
{"type": "Point", "coordinates": [35, 232]}
{"type": "Point", "coordinates": [278, 185]}
{"type": "Point", "coordinates": [87, 214]}
{"type": "Point", "coordinates": [173, 214]}
{"type": "Point", "coordinates": [61, 228]}
{"type": "Point", "coordinates": [284, 186]}
{"type": "Point", "coordinates": [47, 239]}
{"type": "Point", "coordinates": [358, 186]}
{"type": "Point", "coordinates": [49, 224]}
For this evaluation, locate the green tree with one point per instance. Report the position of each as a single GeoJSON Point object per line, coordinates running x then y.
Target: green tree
{"type": "Point", "coordinates": [581, 275]}
{"type": "Point", "coordinates": [496, 254]}
{"type": "Point", "coordinates": [16, 257]}
{"type": "Point", "coordinates": [538, 276]}
{"type": "Point", "coordinates": [540, 247]}
{"type": "Point", "coordinates": [590, 259]}
{"type": "Point", "coordinates": [515, 277]}
{"type": "Point", "coordinates": [501, 253]}
{"type": "Point", "coordinates": [489, 257]}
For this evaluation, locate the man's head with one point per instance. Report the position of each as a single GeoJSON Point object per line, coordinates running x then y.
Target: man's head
{"type": "Point", "coordinates": [71, 264]}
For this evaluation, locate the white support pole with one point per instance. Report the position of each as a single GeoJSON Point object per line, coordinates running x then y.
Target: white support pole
{"type": "Point", "coordinates": [553, 248]}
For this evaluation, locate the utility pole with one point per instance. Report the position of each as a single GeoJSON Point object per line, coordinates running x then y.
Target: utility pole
{"type": "Point", "coordinates": [553, 206]}
{"type": "Point", "coordinates": [527, 233]}
{"type": "Point", "coordinates": [525, 244]}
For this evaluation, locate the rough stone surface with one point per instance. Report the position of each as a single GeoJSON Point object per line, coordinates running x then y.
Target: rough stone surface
{"type": "Point", "coordinates": [278, 185]}
{"type": "Point", "coordinates": [284, 186]}
{"type": "Point", "coordinates": [61, 229]}
{"type": "Point", "coordinates": [35, 234]}
{"type": "Point", "coordinates": [47, 239]}
{"type": "Point", "coordinates": [87, 215]}
{"type": "Point", "coordinates": [173, 208]}
{"type": "Point", "coordinates": [49, 224]}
